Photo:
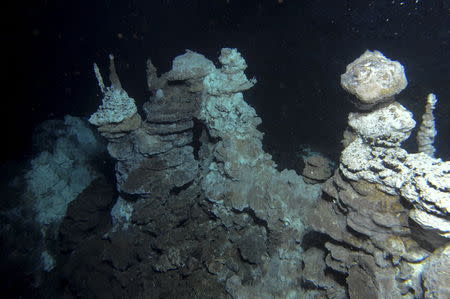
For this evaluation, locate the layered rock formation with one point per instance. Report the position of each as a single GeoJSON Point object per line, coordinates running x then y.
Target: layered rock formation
{"type": "Point", "coordinates": [261, 207]}
{"type": "Point", "coordinates": [202, 212]}
{"type": "Point", "coordinates": [384, 216]}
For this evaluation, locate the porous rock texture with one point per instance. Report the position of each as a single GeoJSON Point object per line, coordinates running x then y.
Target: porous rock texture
{"type": "Point", "coordinates": [116, 104]}
{"type": "Point", "coordinates": [202, 212]}
{"type": "Point", "coordinates": [383, 219]}
{"type": "Point", "coordinates": [427, 130]}
{"type": "Point", "coordinates": [373, 79]}
{"type": "Point", "coordinates": [243, 187]}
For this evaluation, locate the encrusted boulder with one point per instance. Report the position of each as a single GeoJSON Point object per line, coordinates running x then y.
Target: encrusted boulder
{"type": "Point", "coordinates": [388, 126]}
{"type": "Point", "coordinates": [373, 79]}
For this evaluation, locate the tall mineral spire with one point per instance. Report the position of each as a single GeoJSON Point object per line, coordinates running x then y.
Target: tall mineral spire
{"type": "Point", "coordinates": [427, 130]}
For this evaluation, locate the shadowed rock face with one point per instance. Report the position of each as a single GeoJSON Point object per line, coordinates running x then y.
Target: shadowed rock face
{"type": "Point", "coordinates": [159, 256]}
{"type": "Point", "coordinates": [317, 169]}
{"type": "Point", "coordinates": [87, 215]}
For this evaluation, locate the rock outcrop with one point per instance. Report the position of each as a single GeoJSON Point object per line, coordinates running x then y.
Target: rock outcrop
{"type": "Point", "coordinates": [384, 216]}
{"type": "Point", "coordinates": [203, 212]}
{"type": "Point", "coordinates": [201, 205]}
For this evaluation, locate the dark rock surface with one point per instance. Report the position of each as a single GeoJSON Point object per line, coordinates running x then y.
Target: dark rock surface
{"type": "Point", "coordinates": [88, 215]}
{"type": "Point", "coordinates": [317, 169]}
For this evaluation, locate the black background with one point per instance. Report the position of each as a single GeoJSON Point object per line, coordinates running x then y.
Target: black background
{"type": "Point", "coordinates": [296, 49]}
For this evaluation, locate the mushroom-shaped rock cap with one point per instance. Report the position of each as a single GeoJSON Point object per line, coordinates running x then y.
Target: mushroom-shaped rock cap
{"type": "Point", "coordinates": [190, 65]}
{"type": "Point", "coordinates": [373, 79]}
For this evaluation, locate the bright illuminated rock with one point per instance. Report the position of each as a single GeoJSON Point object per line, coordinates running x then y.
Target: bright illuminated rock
{"type": "Point", "coordinates": [373, 79]}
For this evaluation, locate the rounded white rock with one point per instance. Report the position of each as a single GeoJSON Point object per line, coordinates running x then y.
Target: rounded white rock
{"type": "Point", "coordinates": [373, 79]}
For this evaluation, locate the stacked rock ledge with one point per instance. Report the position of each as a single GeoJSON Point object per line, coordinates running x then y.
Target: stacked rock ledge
{"type": "Point", "coordinates": [384, 217]}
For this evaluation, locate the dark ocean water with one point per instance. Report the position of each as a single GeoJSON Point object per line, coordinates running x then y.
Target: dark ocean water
{"type": "Point", "coordinates": [296, 49]}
